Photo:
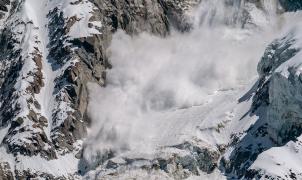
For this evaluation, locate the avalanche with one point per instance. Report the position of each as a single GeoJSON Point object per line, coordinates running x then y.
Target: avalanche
{"type": "Point", "coordinates": [156, 89]}
{"type": "Point", "coordinates": [183, 88]}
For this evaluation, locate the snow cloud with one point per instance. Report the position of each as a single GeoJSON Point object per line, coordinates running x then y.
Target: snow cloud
{"type": "Point", "coordinates": [152, 74]}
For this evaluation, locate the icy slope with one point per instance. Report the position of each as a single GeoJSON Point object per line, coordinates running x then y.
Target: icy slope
{"type": "Point", "coordinates": [283, 162]}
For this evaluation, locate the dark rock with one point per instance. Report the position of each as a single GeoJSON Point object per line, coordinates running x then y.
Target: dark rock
{"type": "Point", "coordinates": [5, 171]}
{"type": "Point", "coordinates": [291, 5]}
{"type": "Point", "coordinates": [206, 159]}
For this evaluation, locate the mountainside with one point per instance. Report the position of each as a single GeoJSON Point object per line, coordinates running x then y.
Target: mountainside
{"type": "Point", "coordinates": [150, 89]}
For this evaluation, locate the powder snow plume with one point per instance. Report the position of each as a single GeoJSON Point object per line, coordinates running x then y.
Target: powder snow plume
{"type": "Point", "coordinates": [152, 75]}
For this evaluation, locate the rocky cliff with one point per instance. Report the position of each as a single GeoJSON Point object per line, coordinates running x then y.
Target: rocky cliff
{"type": "Point", "coordinates": [51, 50]}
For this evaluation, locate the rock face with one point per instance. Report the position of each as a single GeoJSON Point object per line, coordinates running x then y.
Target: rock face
{"type": "Point", "coordinates": [291, 5]}
{"type": "Point", "coordinates": [5, 171]}
{"type": "Point", "coordinates": [277, 103]}
{"type": "Point", "coordinates": [178, 162]}
{"type": "Point", "coordinates": [46, 65]}
{"type": "Point", "coordinates": [131, 16]}
{"type": "Point", "coordinates": [51, 50]}
{"type": "Point", "coordinates": [4, 8]}
{"type": "Point", "coordinates": [280, 90]}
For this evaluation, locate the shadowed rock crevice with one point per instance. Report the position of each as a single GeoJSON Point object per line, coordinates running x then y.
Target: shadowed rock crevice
{"type": "Point", "coordinates": [277, 105]}
{"type": "Point", "coordinates": [291, 5]}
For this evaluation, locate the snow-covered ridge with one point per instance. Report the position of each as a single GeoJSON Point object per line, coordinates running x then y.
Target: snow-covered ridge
{"type": "Point", "coordinates": [30, 100]}
{"type": "Point", "coordinates": [184, 104]}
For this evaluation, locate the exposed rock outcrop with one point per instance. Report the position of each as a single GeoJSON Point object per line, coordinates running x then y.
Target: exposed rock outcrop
{"type": "Point", "coordinates": [291, 5]}
{"type": "Point", "coordinates": [50, 127]}
{"type": "Point", "coordinates": [46, 64]}
{"type": "Point", "coordinates": [6, 171]}
{"type": "Point", "coordinates": [178, 162]}
{"type": "Point", "coordinates": [276, 102]}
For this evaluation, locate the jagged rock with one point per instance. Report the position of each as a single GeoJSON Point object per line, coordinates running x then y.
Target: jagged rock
{"type": "Point", "coordinates": [179, 161]}
{"type": "Point", "coordinates": [133, 17]}
{"type": "Point", "coordinates": [277, 104]}
{"type": "Point", "coordinates": [206, 159]}
{"type": "Point", "coordinates": [5, 171]}
{"type": "Point", "coordinates": [80, 60]}
{"type": "Point", "coordinates": [291, 5]}
{"type": "Point", "coordinates": [278, 91]}
{"type": "Point", "coordinates": [27, 174]}
{"type": "Point", "coordinates": [174, 11]}
{"type": "Point", "coordinates": [3, 7]}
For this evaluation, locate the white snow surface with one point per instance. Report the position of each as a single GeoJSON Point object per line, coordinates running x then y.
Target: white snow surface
{"type": "Point", "coordinates": [161, 91]}
{"type": "Point", "coordinates": [293, 29]}
{"type": "Point", "coordinates": [83, 11]}
{"type": "Point", "coordinates": [281, 161]}
{"type": "Point", "coordinates": [286, 161]}
{"type": "Point", "coordinates": [33, 38]}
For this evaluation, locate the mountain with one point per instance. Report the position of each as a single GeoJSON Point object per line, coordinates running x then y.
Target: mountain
{"type": "Point", "coordinates": [150, 89]}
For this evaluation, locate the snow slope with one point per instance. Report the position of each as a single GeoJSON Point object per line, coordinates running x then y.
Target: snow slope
{"type": "Point", "coordinates": [183, 88]}
{"type": "Point", "coordinates": [285, 161]}
{"type": "Point", "coordinates": [29, 24]}
{"type": "Point", "coordinates": [192, 88]}
{"type": "Point", "coordinates": [175, 107]}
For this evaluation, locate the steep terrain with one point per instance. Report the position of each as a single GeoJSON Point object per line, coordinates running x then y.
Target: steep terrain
{"type": "Point", "coordinates": [150, 89]}
{"type": "Point", "coordinates": [50, 50]}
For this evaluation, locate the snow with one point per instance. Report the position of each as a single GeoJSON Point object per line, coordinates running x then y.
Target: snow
{"type": "Point", "coordinates": [38, 31]}
{"type": "Point", "coordinates": [285, 161]}
{"type": "Point", "coordinates": [45, 97]}
{"type": "Point", "coordinates": [281, 161]}
{"type": "Point", "coordinates": [169, 92]}
{"type": "Point", "coordinates": [161, 92]}
{"type": "Point", "coordinates": [5, 157]}
{"type": "Point", "coordinates": [63, 166]}
{"type": "Point", "coordinates": [33, 38]}
{"type": "Point", "coordinates": [83, 11]}
{"type": "Point", "coordinates": [66, 165]}
{"type": "Point", "coordinates": [216, 175]}
{"type": "Point", "coordinates": [291, 30]}
{"type": "Point", "coordinates": [132, 174]}
{"type": "Point", "coordinates": [152, 101]}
